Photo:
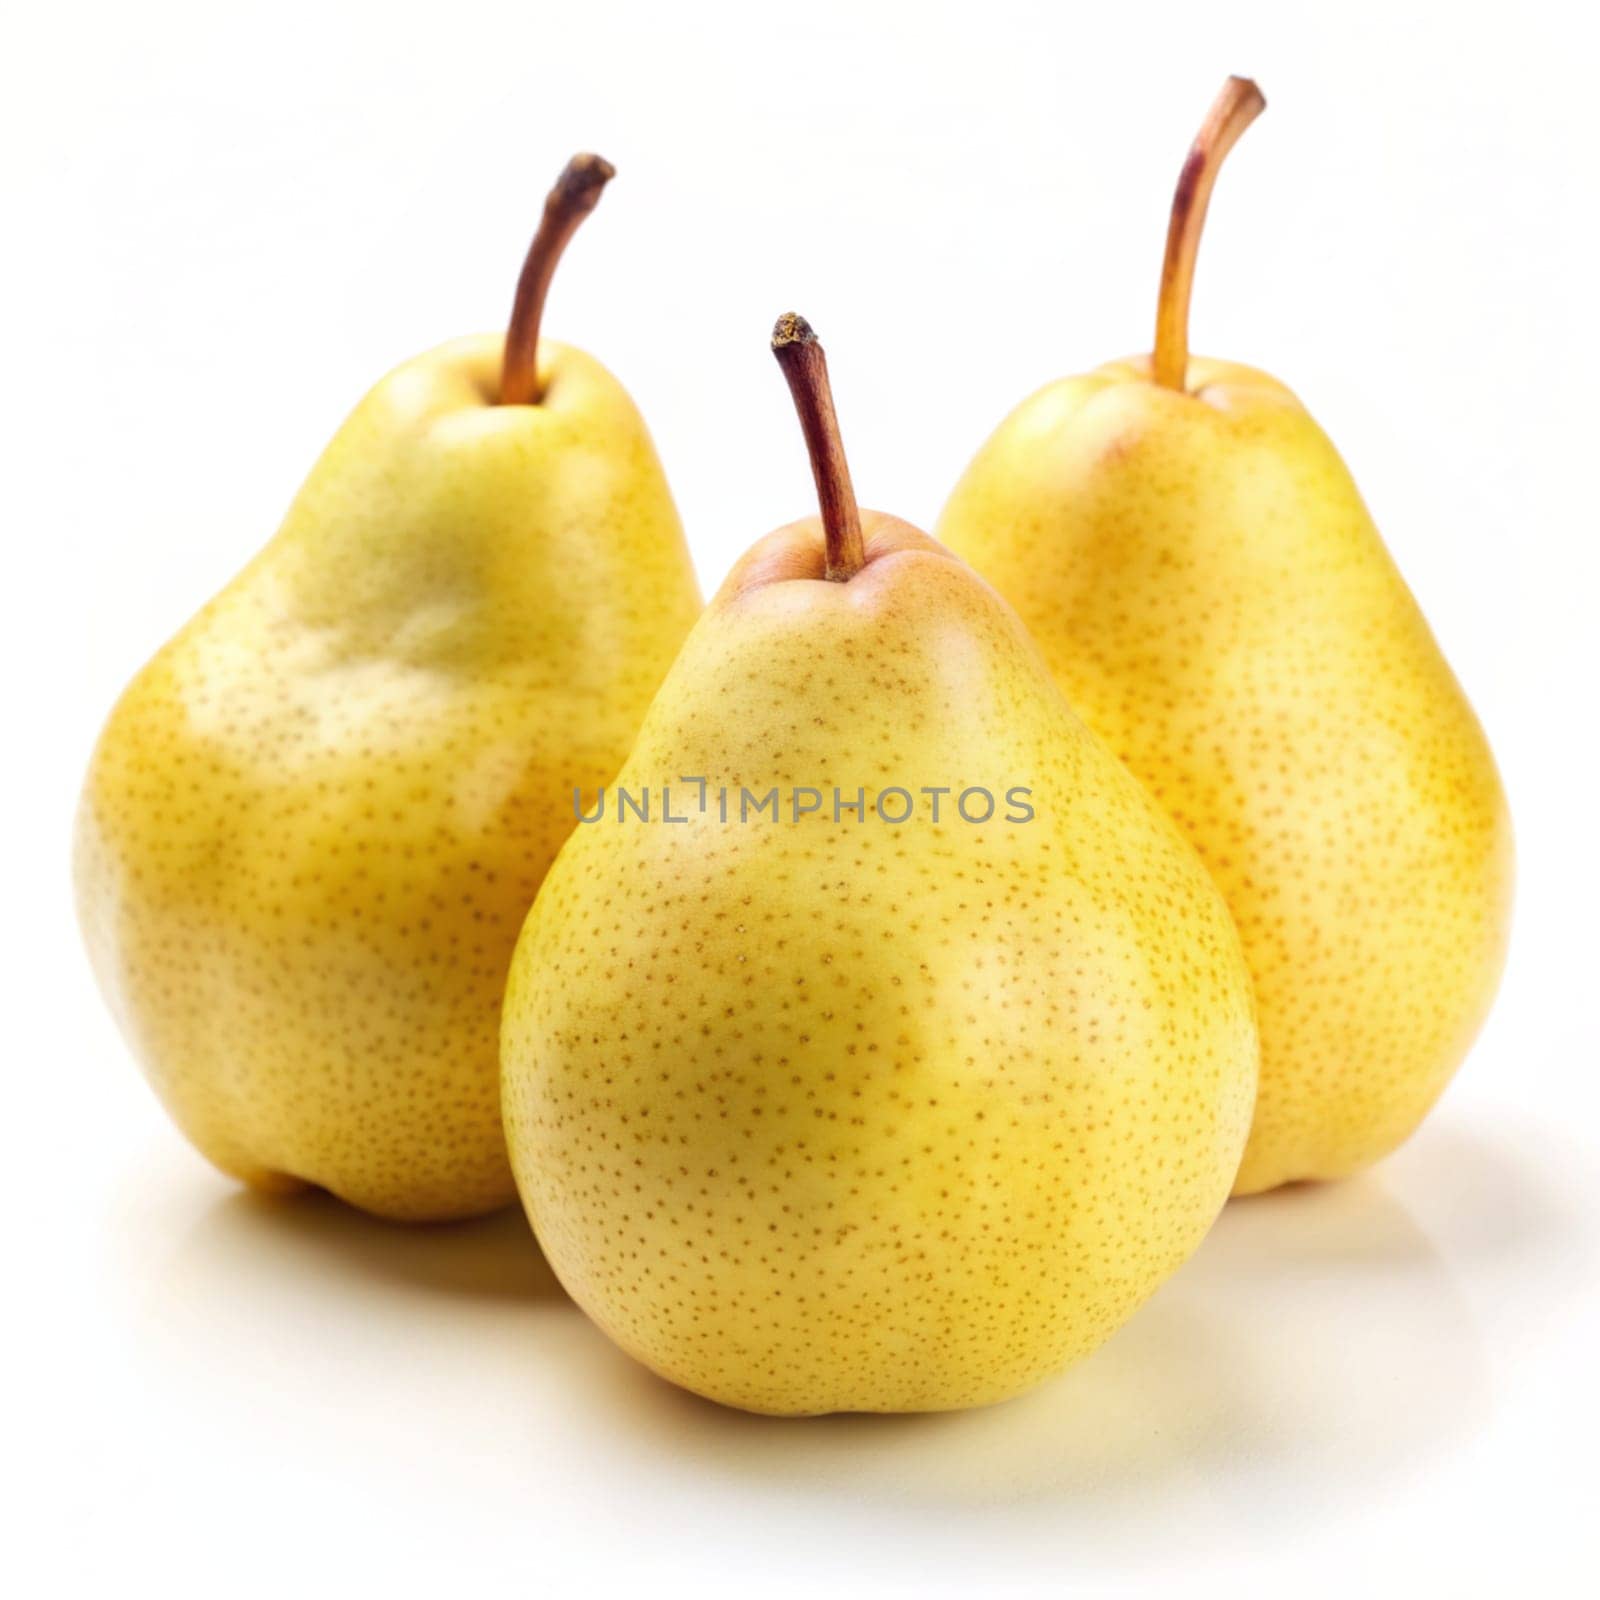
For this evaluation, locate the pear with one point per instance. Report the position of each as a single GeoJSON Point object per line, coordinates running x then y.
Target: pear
{"type": "Point", "coordinates": [1211, 594]}
{"type": "Point", "coordinates": [901, 1094]}
{"type": "Point", "coordinates": [313, 824]}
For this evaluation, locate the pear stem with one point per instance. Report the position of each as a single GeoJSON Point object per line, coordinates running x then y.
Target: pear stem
{"type": "Point", "coordinates": [806, 369]}
{"type": "Point", "coordinates": [1238, 105]}
{"type": "Point", "coordinates": [568, 203]}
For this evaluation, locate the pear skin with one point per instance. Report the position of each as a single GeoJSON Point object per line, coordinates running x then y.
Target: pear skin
{"type": "Point", "coordinates": [1212, 597]}
{"type": "Point", "coordinates": [844, 1114]}
{"type": "Point", "coordinates": [313, 824]}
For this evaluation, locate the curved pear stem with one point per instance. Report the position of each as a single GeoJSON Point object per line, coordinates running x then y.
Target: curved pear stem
{"type": "Point", "coordinates": [565, 207]}
{"type": "Point", "coordinates": [806, 369]}
{"type": "Point", "coordinates": [1239, 104]}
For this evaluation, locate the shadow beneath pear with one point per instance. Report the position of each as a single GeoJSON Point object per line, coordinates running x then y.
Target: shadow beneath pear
{"type": "Point", "coordinates": [268, 1322]}
{"type": "Point", "coordinates": [1322, 1340]}
{"type": "Point", "coordinates": [487, 1258]}
{"type": "Point", "coordinates": [1506, 1219]}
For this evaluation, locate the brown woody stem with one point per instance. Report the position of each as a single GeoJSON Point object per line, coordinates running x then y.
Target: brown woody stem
{"type": "Point", "coordinates": [806, 369]}
{"type": "Point", "coordinates": [1239, 104]}
{"type": "Point", "coordinates": [565, 207]}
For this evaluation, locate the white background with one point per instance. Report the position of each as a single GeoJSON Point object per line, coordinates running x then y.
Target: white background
{"type": "Point", "coordinates": [224, 222]}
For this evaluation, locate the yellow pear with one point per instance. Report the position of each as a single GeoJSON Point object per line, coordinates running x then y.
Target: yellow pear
{"type": "Point", "coordinates": [313, 824]}
{"type": "Point", "coordinates": [906, 1047]}
{"type": "Point", "coordinates": [1211, 595]}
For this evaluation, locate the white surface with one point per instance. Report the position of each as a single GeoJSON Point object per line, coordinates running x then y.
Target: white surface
{"type": "Point", "coordinates": [224, 222]}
